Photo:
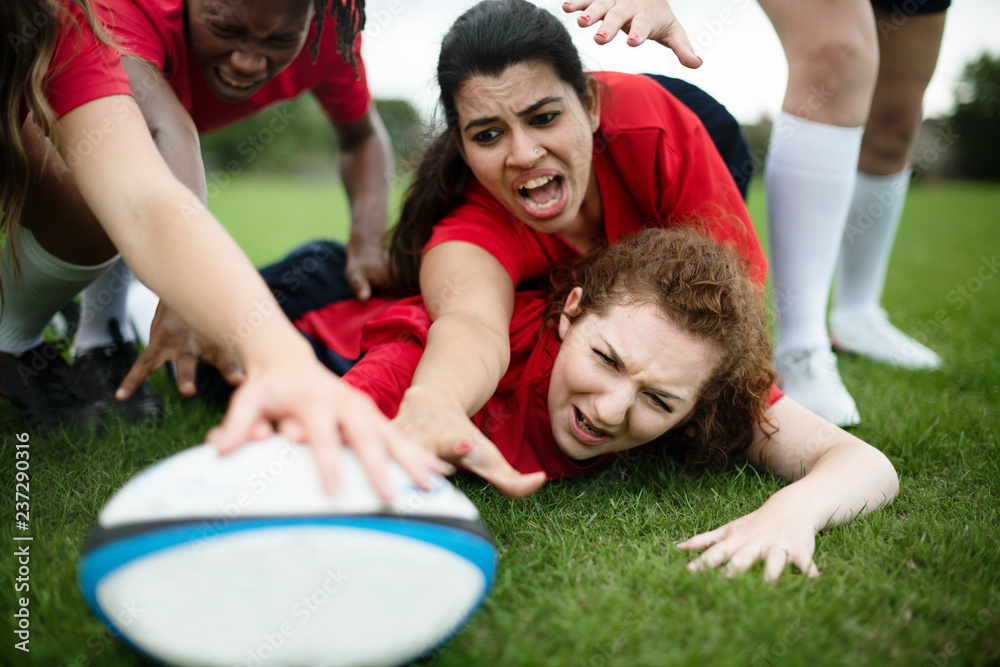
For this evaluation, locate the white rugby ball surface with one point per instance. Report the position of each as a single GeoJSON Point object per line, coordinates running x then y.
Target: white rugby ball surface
{"type": "Point", "coordinates": [245, 560]}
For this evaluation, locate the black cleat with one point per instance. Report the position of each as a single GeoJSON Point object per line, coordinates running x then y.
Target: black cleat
{"type": "Point", "coordinates": [101, 370]}
{"type": "Point", "coordinates": [40, 383]}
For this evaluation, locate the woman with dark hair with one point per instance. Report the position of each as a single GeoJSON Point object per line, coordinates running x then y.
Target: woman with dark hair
{"type": "Point", "coordinates": [66, 84]}
{"type": "Point", "coordinates": [539, 163]}
{"type": "Point", "coordinates": [657, 341]}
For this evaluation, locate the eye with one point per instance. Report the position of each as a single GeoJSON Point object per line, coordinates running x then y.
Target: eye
{"type": "Point", "coordinates": [608, 361]}
{"type": "Point", "coordinates": [544, 118]}
{"type": "Point", "coordinates": [486, 136]}
{"type": "Point", "coordinates": [225, 29]}
{"type": "Point", "coordinates": [658, 402]}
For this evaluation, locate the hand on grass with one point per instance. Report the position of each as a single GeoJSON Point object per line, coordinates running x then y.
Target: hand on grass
{"type": "Point", "coordinates": [640, 20]}
{"type": "Point", "coordinates": [171, 339]}
{"type": "Point", "coordinates": [367, 267]}
{"type": "Point", "coordinates": [767, 534]}
{"type": "Point", "coordinates": [306, 403]}
{"type": "Point", "coordinates": [451, 435]}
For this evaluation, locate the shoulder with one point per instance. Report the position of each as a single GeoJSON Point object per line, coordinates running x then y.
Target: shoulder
{"type": "Point", "coordinates": [637, 103]}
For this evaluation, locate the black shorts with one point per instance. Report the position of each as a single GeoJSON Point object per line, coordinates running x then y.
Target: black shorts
{"type": "Point", "coordinates": [913, 7]}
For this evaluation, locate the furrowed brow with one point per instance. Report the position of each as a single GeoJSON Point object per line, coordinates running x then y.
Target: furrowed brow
{"type": "Point", "coordinates": [479, 122]}
{"type": "Point", "coordinates": [621, 364]}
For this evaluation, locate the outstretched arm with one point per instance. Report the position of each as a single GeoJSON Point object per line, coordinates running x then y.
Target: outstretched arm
{"type": "Point", "coordinates": [835, 477]}
{"type": "Point", "coordinates": [640, 20]}
{"type": "Point", "coordinates": [470, 298]}
{"type": "Point", "coordinates": [175, 246]}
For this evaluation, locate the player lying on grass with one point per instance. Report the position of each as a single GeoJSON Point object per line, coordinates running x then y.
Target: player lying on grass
{"type": "Point", "coordinates": [658, 341]}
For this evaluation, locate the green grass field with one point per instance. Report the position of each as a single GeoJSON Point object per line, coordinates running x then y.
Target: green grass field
{"type": "Point", "coordinates": [589, 574]}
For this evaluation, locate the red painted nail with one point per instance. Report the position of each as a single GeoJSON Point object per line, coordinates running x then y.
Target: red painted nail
{"type": "Point", "coordinates": [586, 17]}
{"type": "Point", "coordinates": [602, 34]}
{"type": "Point", "coordinates": [633, 37]}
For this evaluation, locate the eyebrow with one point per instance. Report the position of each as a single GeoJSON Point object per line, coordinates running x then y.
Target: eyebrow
{"type": "Point", "coordinates": [520, 114]}
{"type": "Point", "coordinates": [618, 360]}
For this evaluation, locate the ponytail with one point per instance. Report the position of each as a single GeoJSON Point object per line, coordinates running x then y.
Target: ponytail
{"type": "Point", "coordinates": [437, 188]}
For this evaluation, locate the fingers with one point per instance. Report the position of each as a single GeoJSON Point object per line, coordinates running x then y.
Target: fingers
{"type": "Point", "coordinates": [774, 563]}
{"type": "Point", "coordinates": [370, 444]}
{"type": "Point", "coordinates": [614, 20]}
{"type": "Point", "coordinates": [677, 41]}
{"type": "Point", "coordinates": [187, 369]}
{"type": "Point", "coordinates": [638, 30]}
{"type": "Point", "coordinates": [740, 559]}
{"type": "Point", "coordinates": [701, 541]}
{"type": "Point", "coordinates": [141, 369]}
{"type": "Point", "coordinates": [360, 286]}
{"type": "Point", "coordinates": [325, 442]}
{"type": "Point", "coordinates": [484, 459]}
{"type": "Point", "coordinates": [240, 424]}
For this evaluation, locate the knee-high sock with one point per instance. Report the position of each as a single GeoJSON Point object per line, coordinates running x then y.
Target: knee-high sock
{"type": "Point", "coordinates": [45, 285]}
{"type": "Point", "coordinates": [868, 238]}
{"type": "Point", "coordinates": [104, 300]}
{"type": "Point", "coordinates": [809, 176]}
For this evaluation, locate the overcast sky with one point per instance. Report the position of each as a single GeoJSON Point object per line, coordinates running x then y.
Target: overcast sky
{"type": "Point", "coordinates": [744, 64]}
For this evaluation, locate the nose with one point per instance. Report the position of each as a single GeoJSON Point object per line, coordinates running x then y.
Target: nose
{"type": "Point", "coordinates": [524, 150]}
{"type": "Point", "coordinates": [248, 63]}
{"type": "Point", "coordinates": [612, 405]}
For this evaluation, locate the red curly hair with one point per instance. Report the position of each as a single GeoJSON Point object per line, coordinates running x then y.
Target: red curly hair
{"type": "Point", "coordinates": [706, 290]}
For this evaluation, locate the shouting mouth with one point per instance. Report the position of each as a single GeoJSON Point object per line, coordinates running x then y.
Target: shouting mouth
{"type": "Point", "coordinates": [543, 196]}
{"type": "Point", "coordinates": [585, 432]}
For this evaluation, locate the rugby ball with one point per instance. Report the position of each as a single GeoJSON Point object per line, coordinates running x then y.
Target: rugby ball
{"type": "Point", "coordinates": [245, 560]}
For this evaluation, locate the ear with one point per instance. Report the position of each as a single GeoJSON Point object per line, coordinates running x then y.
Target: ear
{"type": "Point", "coordinates": [571, 309]}
{"type": "Point", "coordinates": [458, 144]}
{"type": "Point", "coordinates": [594, 108]}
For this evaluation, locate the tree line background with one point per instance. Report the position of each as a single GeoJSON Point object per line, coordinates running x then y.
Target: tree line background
{"type": "Point", "coordinates": [963, 144]}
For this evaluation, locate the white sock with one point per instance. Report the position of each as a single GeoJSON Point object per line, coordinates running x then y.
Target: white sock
{"type": "Point", "coordinates": [868, 238]}
{"type": "Point", "coordinates": [45, 285]}
{"type": "Point", "coordinates": [809, 176]}
{"type": "Point", "coordinates": [104, 300]}
{"type": "Point", "coordinates": [142, 303]}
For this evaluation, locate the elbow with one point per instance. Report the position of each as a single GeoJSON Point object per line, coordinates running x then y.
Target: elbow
{"type": "Point", "coordinates": [888, 479]}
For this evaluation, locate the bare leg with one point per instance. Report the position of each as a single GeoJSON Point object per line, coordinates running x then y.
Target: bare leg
{"type": "Point", "coordinates": [810, 174]}
{"type": "Point", "coordinates": [909, 53]}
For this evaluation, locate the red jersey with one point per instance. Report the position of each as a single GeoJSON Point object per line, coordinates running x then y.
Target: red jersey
{"type": "Point", "coordinates": [655, 165]}
{"type": "Point", "coordinates": [154, 30]}
{"type": "Point", "coordinates": [83, 68]}
{"type": "Point", "coordinates": [516, 418]}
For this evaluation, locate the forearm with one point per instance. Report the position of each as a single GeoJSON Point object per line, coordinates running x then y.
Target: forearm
{"type": "Point", "coordinates": [366, 168]}
{"type": "Point", "coordinates": [462, 363]}
{"type": "Point", "coordinates": [225, 299]}
{"type": "Point", "coordinates": [849, 480]}
{"type": "Point", "coordinates": [171, 127]}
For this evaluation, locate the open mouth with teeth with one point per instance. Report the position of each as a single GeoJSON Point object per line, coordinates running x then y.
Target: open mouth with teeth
{"type": "Point", "coordinates": [234, 83]}
{"type": "Point", "coordinates": [587, 432]}
{"type": "Point", "coordinates": [543, 194]}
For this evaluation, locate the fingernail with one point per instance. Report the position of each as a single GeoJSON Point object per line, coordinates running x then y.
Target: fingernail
{"type": "Point", "coordinates": [567, 4]}
{"type": "Point", "coordinates": [601, 33]}
{"type": "Point", "coordinates": [586, 17]}
{"type": "Point", "coordinates": [120, 395]}
{"type": "Point", "coordinates": [633, 37]}
{"type": "Point", "coordinates": [464, 447]}
{"type": "Point", "coordinates": [700, 61]}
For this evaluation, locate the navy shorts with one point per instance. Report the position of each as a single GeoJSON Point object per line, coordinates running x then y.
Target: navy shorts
{"type": "Point", "coordinates": [721, 125]}
{"type": "Point", "coordinates": [913, 7]}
